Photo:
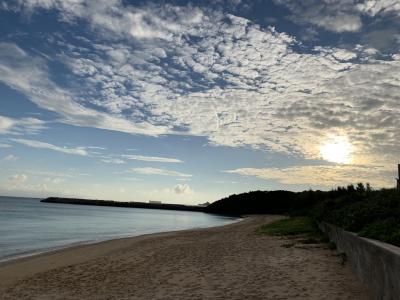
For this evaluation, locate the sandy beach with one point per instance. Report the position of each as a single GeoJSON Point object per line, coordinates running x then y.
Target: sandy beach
{"type": "Point", "coordinates": [228, 262]}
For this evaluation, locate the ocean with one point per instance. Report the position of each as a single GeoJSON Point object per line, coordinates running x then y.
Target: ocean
{"type": "Point", "coordinates": [28, 226]}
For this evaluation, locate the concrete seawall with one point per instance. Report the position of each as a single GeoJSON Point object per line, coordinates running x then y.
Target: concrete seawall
{"type": "Point", "coordinates": [376, 264]}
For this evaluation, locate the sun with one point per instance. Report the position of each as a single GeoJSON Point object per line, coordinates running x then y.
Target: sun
{"type": "Point", "coordinates": [337, 150]}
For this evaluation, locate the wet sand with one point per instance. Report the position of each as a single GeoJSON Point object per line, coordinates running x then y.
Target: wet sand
{"type": "Point", "coordinates": [228, 262]}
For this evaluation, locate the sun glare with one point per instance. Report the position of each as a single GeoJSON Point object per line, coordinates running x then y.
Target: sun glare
{"type": "Point", "coordinates": [337, 150]}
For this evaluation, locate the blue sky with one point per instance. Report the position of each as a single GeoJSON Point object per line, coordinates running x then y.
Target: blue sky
{"type": "Point", "coordinates": [190, 101]}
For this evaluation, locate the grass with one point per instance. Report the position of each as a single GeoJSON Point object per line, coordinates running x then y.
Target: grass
{"type": "Point", "coordinates": [292, 226]}
{"type": "Point", "coordinates": [303, 229]}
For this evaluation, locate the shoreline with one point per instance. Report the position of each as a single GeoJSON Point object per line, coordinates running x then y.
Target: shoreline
{"type": "Point", "coordinates": [106, 246]}
{"type": "Point", "coordinates": [223, 262]}
{"type": "Point", "coordinates": [40, 252]}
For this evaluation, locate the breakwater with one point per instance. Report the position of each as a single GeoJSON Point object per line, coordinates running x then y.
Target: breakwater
{"type": "Point", "coordinates": [165, 206]}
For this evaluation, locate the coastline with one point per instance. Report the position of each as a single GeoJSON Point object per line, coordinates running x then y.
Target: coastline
{"type": "Point", "coordinates": [100, 246]}
{"type": "Point", "coordinates": [223, 262]}
{"type": "Point", "coordinates": [19, 257]}
{"type": "Point", "coordinates": [56, 226]}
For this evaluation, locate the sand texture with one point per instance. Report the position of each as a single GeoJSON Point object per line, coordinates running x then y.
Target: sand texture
{"type": "Point", "coordinates": [228, 262]}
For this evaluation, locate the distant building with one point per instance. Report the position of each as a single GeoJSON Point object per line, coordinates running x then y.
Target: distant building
{"type": "Point", "coordinates": [154, 202]}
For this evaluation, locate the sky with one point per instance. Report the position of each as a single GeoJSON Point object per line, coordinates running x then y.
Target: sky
{"type": "Point", "coordinates": [190, 101]}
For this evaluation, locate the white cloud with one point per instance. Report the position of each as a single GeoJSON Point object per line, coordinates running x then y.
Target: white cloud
{"type": "Point", "coordinates": [211, 74]}
{"type": "Point", "coordinates": [43, 145]}
{"type": "Point", "coordinates": [170, 195]}
{"type": "Point", "coordinates": [10, 157]}
{"type": "Point", "coordinates": [2, 145]}
{"type": "Point", "coordinates": [156, 171]}
{"type": "Point", "coordinates": [17, 179]}
{"type": "Point", "coordinates": [182, 189]}
{"type": "Point", "coordinates": [110, 160]}
{"type": "Point", "coordinates": [337, 16]}
{"type": "Point", "coordinates": [19, 126]}
{"type": "Point", "coordinates": [94, 148]}
{"type": "Point", "coordinates": [375, 7]}
{"type": "Point", "coordinates": [152, 158]}
{"type": "Point", "coordinates": [25, 189]}
{"type": "Point", "coordinates": [339, 23]}
{"type": "Point", "coordinates": [29, 75]}
{"type": "Point", "coordinates": [5, 124]}
{"type": "Point", "coordinates": [113, 18]}
{"type": "Point", "coordinates": [322, 175]}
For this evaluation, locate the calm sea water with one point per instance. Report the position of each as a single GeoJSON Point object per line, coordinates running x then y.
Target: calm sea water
{"type": "Point", "coordinates": [28, 226]}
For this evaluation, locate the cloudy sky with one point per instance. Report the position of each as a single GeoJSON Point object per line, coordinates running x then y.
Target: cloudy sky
{"type": "Point", "coordinates": [189, 101]}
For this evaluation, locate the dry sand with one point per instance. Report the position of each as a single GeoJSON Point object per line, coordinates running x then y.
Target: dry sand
{"type": "Point", "coordinates": [228, 262]}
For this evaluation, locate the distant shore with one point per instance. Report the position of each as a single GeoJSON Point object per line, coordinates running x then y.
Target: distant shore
{"type": "Point", "coordinates": [226, 262]}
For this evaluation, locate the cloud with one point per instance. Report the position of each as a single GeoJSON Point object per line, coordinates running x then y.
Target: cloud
{"type": "Point", "coordinates": [383, 40]}
{"type": "Point", "coordinates": [156, 171]}
{"type": "Point", "coordinates": [43, 145]}
{"type": "Point", "coordinates": [18, 179]}
{"type": "Point", "coordinates": [322, 175]}
{"type": "Point", "coordinates": [172, 195]}
{"type": "Point", "coordinates": [114, 19]}
{"type": "Point", "coordinates": [182, 189]}
{"type": "Point", "coordinates": [2, 145]}
{"type": "Point", "coordinates": [35, 183]}
{"type": "Point", "coordinates": [152, 158]}
{"type": "Point", "coordinates": [5, 124]}
{"type": "Point", "coordinates": [20, 126]}
{"type": "Point", "coordinates": [29, 75]}
{"type": "Point", "coordinates": [383, 7]}
{"type": "Point", "coordinates": [208, 73]}
{"type": "Point", "coordinates": [19, 186]}
{"type": "Point", "coordinates": [337, 16]}
{"type": "Point", "coordinates": [94, 148]}
{"type": "Point", "coordinates": [10, 157]}
{"type": "Point", "coordinates": [109, 160]}
{"type": "Point", "coordinates": [339, 23]}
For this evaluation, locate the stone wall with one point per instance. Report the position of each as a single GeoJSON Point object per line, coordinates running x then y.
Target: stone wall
{"type": "Point", "coordinates": [376, 264]}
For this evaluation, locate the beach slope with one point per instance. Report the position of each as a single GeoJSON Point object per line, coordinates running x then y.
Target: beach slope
{"type": "Point", "coordinates": [228, 262]}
